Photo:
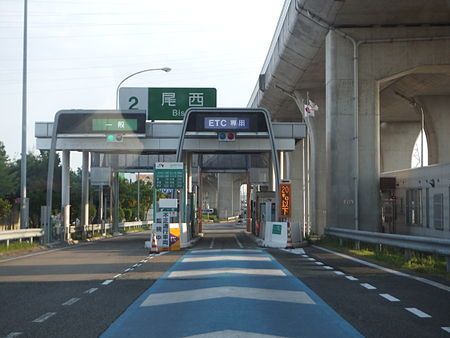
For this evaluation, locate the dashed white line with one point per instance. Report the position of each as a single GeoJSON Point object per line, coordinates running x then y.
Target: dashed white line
{"type": "Point", "coordinates": [238, 243]}
{"type": "Point", "coordinates": [212, 243]}
{"type": "Point", "coordinates": [305, 256]}
{"type": "Point", "coordinates": [44, 317]}
{"type": "Point", "coordinates": [319, 263]}
{"type": "Point", "coordinates": [340, 273]}
{"type": "Point", "coordinates": [389, 297]}
{"type": "Point", "coordinates": [117, 276]}
{"type": "Point", "coordinates": [351, 278]}
{"type": "Point", "coordinates": [14, 334]}
{"type": "Point", "coordinates": [417, 312]}
{"type": "Point", "coordinates": [368, 286]}
{"type": "Point", "coordinates": [107, 282]}
{"type": "Point", "coordinates": [71, 301]}
{"type": "Point", "coordinates": [91, 290]}
{"type": "Point", "coordinates": [445, 328]}
{"type": "Point", "coordinates": [311, 259]}
{"type": "Point", "coordinates": [327, 267]}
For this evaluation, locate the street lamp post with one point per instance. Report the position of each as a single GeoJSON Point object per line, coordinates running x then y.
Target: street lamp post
{"type": "Point", "coordinates": [115, 184]}
{"type": "Point", "coordinates": [164, 69]}
{"type": "Point", "coordinates": [23, 163]}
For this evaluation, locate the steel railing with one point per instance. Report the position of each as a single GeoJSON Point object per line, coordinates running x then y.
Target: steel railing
{"type": "Point", "coordinates": [433, 245]}
{"type": "Point", "coordinates": [12, 235]}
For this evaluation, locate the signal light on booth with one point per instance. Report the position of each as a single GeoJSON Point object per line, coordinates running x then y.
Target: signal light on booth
{"type": "Point", "coordinates": [114, 138]}
{"type": "Point", "coordinates": [226, 136]}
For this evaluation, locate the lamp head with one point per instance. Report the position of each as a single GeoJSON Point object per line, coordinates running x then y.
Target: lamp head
{"type": "Point", "coordinates": [166, 69]}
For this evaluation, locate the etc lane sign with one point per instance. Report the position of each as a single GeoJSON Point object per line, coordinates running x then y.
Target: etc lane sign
{"type": "Point", "coordinates": [166, 103]}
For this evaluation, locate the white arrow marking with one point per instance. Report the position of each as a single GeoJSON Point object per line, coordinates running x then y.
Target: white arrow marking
{"type": "Point", "coordinates": [232, 334]}
{"type": "Point", "coordinates": [240, 271]}
{"type": "Point", "coordinates": [299, 297]}
{"type": "Point", "coordinates": [225, 258]}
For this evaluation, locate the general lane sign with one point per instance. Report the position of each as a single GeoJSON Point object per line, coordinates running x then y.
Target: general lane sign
{"type": "Point", "coordinates": [166, 103]}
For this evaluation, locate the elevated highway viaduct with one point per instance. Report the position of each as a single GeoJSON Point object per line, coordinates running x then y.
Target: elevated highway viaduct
{"type": "Point", "coordinates": [379, 71]}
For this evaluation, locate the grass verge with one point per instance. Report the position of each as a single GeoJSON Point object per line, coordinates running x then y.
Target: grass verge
{"type": "Point", "coordinates": [417, 262]}
{"type": "Point", "coordinates": [17, 246]}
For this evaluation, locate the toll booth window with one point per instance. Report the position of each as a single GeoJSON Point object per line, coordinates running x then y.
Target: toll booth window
{"type": "Point", "coordinates": [438, 211]}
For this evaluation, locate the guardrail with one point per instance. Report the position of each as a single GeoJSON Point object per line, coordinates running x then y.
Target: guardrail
{"type": "Point", "coordinates": [14, 235]}
{"type": "Point", "coordinates": [11, 235]}
{"type": "Point", "coordinates": [107, 226]}
{"type": "Point", "coordinates": [419, 243]}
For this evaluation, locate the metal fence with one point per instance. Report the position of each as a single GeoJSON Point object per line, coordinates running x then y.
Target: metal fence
{"type": "Point", "coordinates": [31, 234]}
{"type": "Point", "coordinates": [418, 243]}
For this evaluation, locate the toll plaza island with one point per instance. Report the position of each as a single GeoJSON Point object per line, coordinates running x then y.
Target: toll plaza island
{"type": "Point", "coordinates": [202, 162]}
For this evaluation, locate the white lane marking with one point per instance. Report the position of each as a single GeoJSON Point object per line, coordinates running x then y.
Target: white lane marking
{"type": "Point", "coordinates": [287, 296]}
{"type": "Point", "coordinates": [117, 276]}
{"type": "Point", "coordinates": [296, 251]}
{"type": "Point", "coordinates": [14, 334]}
{"type": "Point", "coordinates": [445, 328]}
{"type": "Point", "coordinates": [232, 333]}
{"type": "Point", "coordinates": [240, 271]}
{"type": "Point", "coordinates": [417, 312]}
{"type": "Point", "coordinates": [135, 265]}
{"type": "Point", "coordinates": [71, 301]}
{"type": "Point", "coordinates": [311, 259]}
{"type": "Point", "coordinates": [351, 278]}
{"type": "Point", "coordinates": [212, 243]}
{"type": "Point", "coordinates": [225, 258]}
{"type": "Point", "coordinates": [368, 286]}
{"type": "Point", "coordinates": [91, 290]}
{"type": "Point", "coordinates": [127, 269]}
{"type": "Point", "coordinates": [389, 297]}
{"type": "Point", "coordinates": [207, 251]}
{"type": "Point", "coordinates": [107, 282]}
{"type": "Point", "coordinates": [237, 241]}
{"type": "Point", "coordinates": [319, 263]}
{"type": "Point", "coordinates": [327, 267]}
{"type": "Point", "coordinates": [44, 317]}
{"type": "Point", "coordinates": [340, 273]}
{"type": "Point", "coordinates": [397, 273]}
{"type": "Point", "coordinates": [305, 256]}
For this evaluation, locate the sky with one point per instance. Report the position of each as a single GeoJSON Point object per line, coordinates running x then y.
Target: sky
{"type": "Point", "coordinates": [79, 50]}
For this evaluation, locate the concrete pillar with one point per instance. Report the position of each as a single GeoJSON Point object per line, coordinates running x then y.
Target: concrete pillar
{"type": "Point", "coordinates": [397, 142]}
{"type": "Point", "coordinates": [437, 122]}
{"type": "Point", "coordinates": [85, 191]}
{"type": "Point", "coordinates": [65, 193]}
{"type": "Point", "coordinates": [340, 142]}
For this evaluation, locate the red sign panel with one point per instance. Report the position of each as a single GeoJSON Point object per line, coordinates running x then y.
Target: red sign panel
{"type": "Point", "coordinates": [285, 200]}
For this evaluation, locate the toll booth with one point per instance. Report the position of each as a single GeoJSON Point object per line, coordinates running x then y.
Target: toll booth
{"type": "Point", "coordinates": [265, 211]}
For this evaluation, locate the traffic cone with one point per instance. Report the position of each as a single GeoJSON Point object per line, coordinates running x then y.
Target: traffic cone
{"type": "Point", "coordinates": [154, 247]}
{"type": "Point", "coordinates": [289, 238]}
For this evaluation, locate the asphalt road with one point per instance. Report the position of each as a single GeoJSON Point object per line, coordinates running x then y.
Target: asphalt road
{"type": "Point", "coordinates": [67, 293]}
{"type": "Point", "coordinates": [87, 290]}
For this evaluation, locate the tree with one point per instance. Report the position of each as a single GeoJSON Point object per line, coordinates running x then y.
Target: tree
{"type": "Point", "coordinates": [8, 178]}
{"type": "Point", "coordinates": [37, 169]}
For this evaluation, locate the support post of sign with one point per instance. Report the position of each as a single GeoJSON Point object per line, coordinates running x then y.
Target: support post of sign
{"type": "Point", "coordinates": [249, 190]}
{"type": "Point", "coordinates": [200, 196]}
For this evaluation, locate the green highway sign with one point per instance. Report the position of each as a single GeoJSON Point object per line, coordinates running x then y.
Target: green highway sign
{"type": "Point", "coordinates": [130, 125]}
{"type": "Point", "coordinates": [166, 103]}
